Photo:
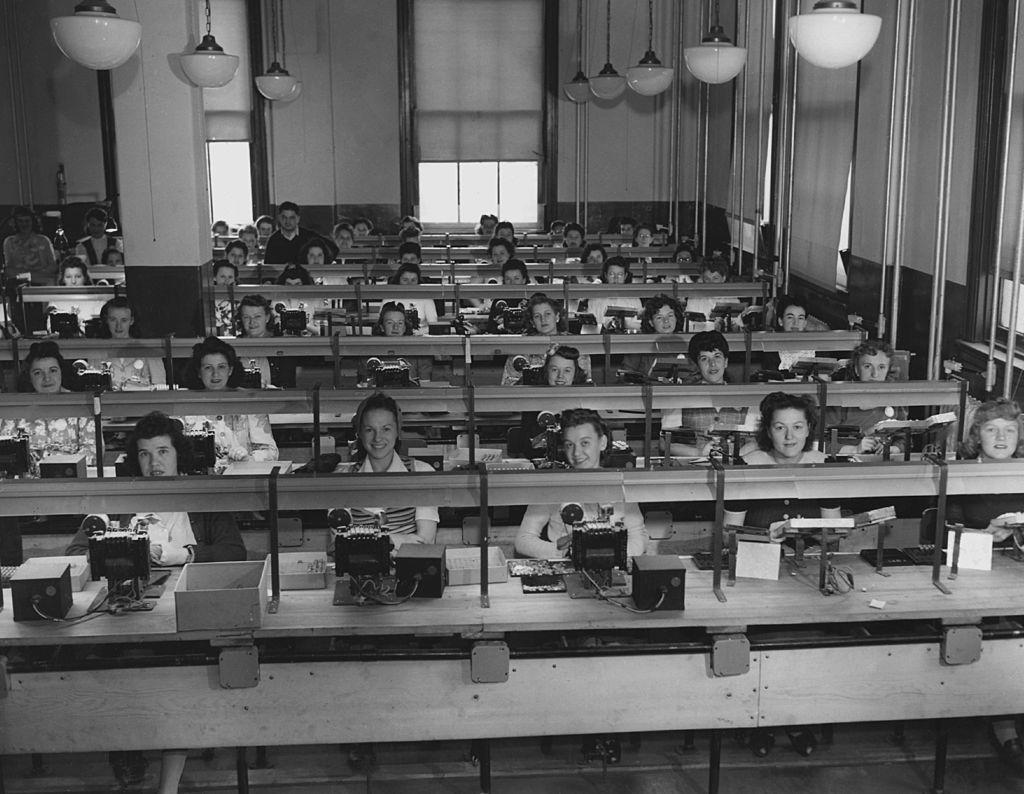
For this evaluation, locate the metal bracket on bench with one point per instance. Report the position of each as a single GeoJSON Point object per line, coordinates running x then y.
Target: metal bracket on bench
{"type": "Point", "coordinates": [730, 654]}
{"type": "Point", "coordinates": [239, 667]}
{"type": "Point", "coordinates": [960, 644]}
{"type": "Point", "coordinates": [489, 663]}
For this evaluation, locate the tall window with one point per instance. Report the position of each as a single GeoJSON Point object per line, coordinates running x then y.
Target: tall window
{"type": "Point", "coordinates": [230, 181]}
{"type": "Point", "coordinates": [479, 98]}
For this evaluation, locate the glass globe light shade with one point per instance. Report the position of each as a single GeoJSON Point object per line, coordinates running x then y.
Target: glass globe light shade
{"type": "Point", "coordinates": [835, 34]}
{"type": "Point", "coordinates": [95, 36]}
{"type": "Point", "coordinates": [607, 84]}
{"type": "Point", "coordinates": [716, 59]}
{"type": "Point", "coordinates": [649, 77]}
{"type": "Point", "coordinates": [276, 83]}
{"type": "Point", "coordinates": [578, 89]}
{"type": "Point", "coordinates": [295, 93]}
{"type": "Point", "coordinates": [209, 66]}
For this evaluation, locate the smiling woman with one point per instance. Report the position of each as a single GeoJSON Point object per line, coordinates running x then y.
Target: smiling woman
{"type": "Point", "coordinates": [378, 429]}
{"type": "Point", "coordinates": [214, 366]}
{"type": "Point", "coordinates": [43, 373]}
{"type": "Point", "coordinates": [709, 352]}
{"type": "Point", "coordinates": [542, 532]}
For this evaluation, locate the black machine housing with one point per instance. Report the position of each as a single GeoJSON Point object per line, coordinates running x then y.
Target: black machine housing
{"type": "Point", "coordinates": [389, 372]}
{"type": "Point", "coordinates": [252, 377]}
{"type": "Point", "coordinates": [117, 554]}
{"type": "Point", "coordinates": [65, 325]}
{"type": "Point", "coordinates": [293, 321]}
{"type": "Point", "coordinates": [204, 452]}
{"type": "Point", "coordinates": [15, 460]}
{"type": "Point", "coordinates": [88, 378]}
{"type": "Point", "coordinates": [597, 545]}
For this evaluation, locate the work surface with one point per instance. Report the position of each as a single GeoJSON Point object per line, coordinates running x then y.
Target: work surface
{"type": "Point", "coordinates": [793, 600]}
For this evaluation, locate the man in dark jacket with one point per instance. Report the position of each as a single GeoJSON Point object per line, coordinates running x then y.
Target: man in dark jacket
{"type": "Point", "coordinates": [284, 244]}
{"type": "Point", "coordinates": [158, 447]}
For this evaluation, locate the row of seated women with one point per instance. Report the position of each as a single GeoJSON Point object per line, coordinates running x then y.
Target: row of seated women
{"type": "Point", "coordinates": [347, 234]}
{"type": "Point", "coordinates": [214, 366]}
{"type": "Point", "coordinates": [784, 437]}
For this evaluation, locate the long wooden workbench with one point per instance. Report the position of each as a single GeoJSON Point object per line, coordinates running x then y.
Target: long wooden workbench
{"type": "Point", "coordinates": [774, 653]}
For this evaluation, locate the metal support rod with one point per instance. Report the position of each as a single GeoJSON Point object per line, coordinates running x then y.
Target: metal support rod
{"type": "Point", "coordinates": [890, 205]}
{"type": "Point", "coordinates": [168, 360]}
{"type": "Point", "coordinates": [275, 540]}
{"type": "Point", "coordinates": [823, 560]}
{"type": "Point", "coordinates": [822, 402]}
{"type": "Point", "coordinates": [759, 169]}
{"type": "Point", "coordinates": [901, 203]}
{"type": "Point", "coordinates": [242, 770]}
{"type": "Point", "coordinates": [108, 140]}
{"type": "Point", "coordinates": [1004, 165]}
{"type": "Point", "coordinates": [940, 520]}
{"type": "Point", "coordinates": [743, 132]}
{"type": "Point", "coordinates": [316, 424]}
{"type": "Point", "coordinates": [97, 418]}
{"type": "Point", "coordinates": [698, 116]}
{"type": "Point", "coordinates": [485, 539]}
{"type": "Point", "coordinates": [676, 128]}
{"type": "Point", "coordinates": [336, 358]}
{"type": "Point", "coordinates": [938, 298]}
{"type": "Point", "coordinates": [719, 528]}
{"type": "Point", "coordinates": [484, 757]}
{"type": "Point", "coordinates": [715, 762]}
{"type": "Point", "coordinates": [647, 395]}
{"type": "Point", "coordinates": [790, 168]}
{"type": "Point", "coordinates": [779, 136]}
{"type": "Point", "coordinates": [706, 120]}
{"type": "Point", "coordinates": [1011, 336]}
{"type": "Point", "coordinates": [734, 146]}
{"type": "Point", "coordinates": [941, 745]}
{"type": "Point", "coordinates": [578, 185]}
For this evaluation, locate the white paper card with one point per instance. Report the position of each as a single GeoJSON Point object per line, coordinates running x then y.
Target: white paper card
{"type": "Point", "coordinates": [975, 550]}
{"type": "Point", "coordinates": [756, 560]}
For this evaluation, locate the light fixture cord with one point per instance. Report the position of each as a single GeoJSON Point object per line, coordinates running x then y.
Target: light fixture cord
{"type": "Point", "coordinates": [579, 35]}
{"type": "Point", "coordinates": [650, 25]}
{"type": "Point", "coordinates": [207, 17]}
{"type": "Point", "coordinates": [608, 32]}
{"type": "Point", "coordinates": [716, 13]}
{"type": "Point", "coordinates": [273, 30]}
{"type": "Point", "coordinates": [280, 10]}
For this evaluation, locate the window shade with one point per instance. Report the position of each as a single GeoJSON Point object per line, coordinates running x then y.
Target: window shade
{"type": "Point", "coordinates": [478, 79]}
{"type": "Point", "coordinates": [826, 104]}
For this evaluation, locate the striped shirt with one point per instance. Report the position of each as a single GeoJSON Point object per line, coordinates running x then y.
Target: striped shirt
{"type": "Point", "coordinates": [394, 520]}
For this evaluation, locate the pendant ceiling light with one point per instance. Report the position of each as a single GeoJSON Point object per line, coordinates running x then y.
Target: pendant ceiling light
{"type": "Point", "coordinates": [276, 83]}
{"type": "Point", "coordinates": [96, 37]}
{"type": "Point", "coordinates": [607, 84]}
{"type": "Point", "coordinates": [835, 34]}
{"type": "Point", "coordinates": [716, 59]}
{"type": "Point", "coordinates": [578, 89]}
{"type": "Point", "coordinates": [649, 77]}
{"type": "Point", "coordinates": [209, 66]}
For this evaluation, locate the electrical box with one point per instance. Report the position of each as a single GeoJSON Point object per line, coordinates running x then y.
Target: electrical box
{"type": "Point", "coordinates": [41, 591]}
{"type": "Point", "coordinates": [489, 663]}
{"type": "Point", "coordinates": [239, 667]}
{"type": "Point", "coordinates": [659, 582]}
{"type": "Point", "coordinates": [421, 566]}
{"type": "Point", "coordinates": [55, 466]}
{"type": "Point", "coordinates": [730, 655]}
{"type": "Point", "coordinates": [961, 644]}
